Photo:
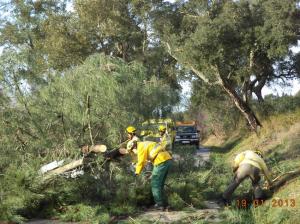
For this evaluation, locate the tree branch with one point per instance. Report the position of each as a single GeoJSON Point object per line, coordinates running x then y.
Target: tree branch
{"type": "Point", "coordinates": [196, 71]}
{"type": "Point", "coordinates": [88, 117]}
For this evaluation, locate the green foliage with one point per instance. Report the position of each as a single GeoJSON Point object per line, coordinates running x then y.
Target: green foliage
{"type": "Point", "coordinates": [85, 213]}
{"type": "Point", "coordinates": [60, 89]}
{"type": "Point", "coordinates": [232, 45]}
{"type": "Point", "coordinates": [238, 216]}
{"type": "Point", "coordinates": [176, 201]}
{"type": "Point", "coordinates": [224, 173]}
{"type": "Point", "coordinates": [220, 116]}
{"type": "Point", "coordinates": [274, 105]}
{"type": "Point", "coordinates": [105, 94]}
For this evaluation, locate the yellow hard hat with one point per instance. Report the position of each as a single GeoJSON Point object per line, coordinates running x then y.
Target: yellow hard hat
{"type": "Point", "coordinates": [162, 128]}
{"type": "Point", "coordinates": [130, 129]}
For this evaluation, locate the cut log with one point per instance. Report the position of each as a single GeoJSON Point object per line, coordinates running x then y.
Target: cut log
{"type": "Point", "coordinates": [51, 166]}
{"type": "Point", "coordinates": [115, 153]}
{"type": "Point", "coordinates": [63, 169]}
{"type": "Point", "coordinates": [98, 148]}
{"type": "Point", "coordinates": [95, 148]}
{"type": "Point", "coordinates": [88, 151]}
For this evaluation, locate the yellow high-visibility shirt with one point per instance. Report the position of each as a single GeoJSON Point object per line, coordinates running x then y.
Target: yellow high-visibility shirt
{"type": "Point", "coordinates": [250, 157]}
{"type": "Point", "coordinates": [150, 151]}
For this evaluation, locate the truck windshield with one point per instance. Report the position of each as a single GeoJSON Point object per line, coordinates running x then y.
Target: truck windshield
{"type": "Point", "coordinates": [186, 129]}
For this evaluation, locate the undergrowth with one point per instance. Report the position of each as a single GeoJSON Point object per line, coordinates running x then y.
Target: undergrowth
{"type": "Point", "coordinates": [109, 192]}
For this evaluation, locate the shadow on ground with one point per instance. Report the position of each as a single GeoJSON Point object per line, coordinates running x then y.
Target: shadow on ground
{"type": "Point", "coordinates": [227, 147]}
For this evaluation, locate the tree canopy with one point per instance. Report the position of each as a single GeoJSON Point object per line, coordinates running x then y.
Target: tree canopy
{"type": "Point", "coordinates": [232, 44]}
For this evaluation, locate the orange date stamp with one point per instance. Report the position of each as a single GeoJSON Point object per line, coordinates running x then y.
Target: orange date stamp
{"type": "Point", "coordinates": [275, 203]}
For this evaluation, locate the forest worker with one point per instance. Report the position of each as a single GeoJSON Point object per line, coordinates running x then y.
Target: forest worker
{"type": "Point", "coordinates": [126, 147]}
{"type": "Point", "coordinates": [161, 160]}
{"type": "Point", "coordinates": [162, 132]}
{"type": "Point", "coordinates": [132, 140]}
{"type": "Point", "coordinates": [164, 137]}
{"type": "Point", "coordinates": [248, 164]}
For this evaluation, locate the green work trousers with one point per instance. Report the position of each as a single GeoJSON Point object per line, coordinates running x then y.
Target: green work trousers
{"type": "Point", "coordinates": [159, 175]}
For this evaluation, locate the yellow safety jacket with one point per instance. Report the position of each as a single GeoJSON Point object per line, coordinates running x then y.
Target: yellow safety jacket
{"type": "Point", "coordinates": [150, 151]}
{"type": "Point", "coordinates": [250, 157]}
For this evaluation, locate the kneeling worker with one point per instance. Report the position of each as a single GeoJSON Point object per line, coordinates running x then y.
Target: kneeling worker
{"type": "Point", "coordinates": [248, 164]}
{"type": "Point", "coordinates": [161, 159]}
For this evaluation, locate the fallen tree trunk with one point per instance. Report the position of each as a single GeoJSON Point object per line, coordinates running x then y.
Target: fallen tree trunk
{"type": "Point", "coordinates": [63, 169]}
{"type": "Point", "coordinates": [87, 151]}
{"type": "Point", "coordinates": [281, 180]}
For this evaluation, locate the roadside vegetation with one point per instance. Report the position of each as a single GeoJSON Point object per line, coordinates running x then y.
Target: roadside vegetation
{"type": "Point", "coordinates": [76, 73]}
{"type": "Point", "coordinates": [279, 140]}
{"type": "Point", "coordinates": [110, 192]}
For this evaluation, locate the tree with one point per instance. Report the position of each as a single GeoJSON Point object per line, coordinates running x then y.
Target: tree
{"type": "Point", "coordinates": [220, 117]}
{"type": "Point", "coordinates": [52, 38]}
{"type": "Point", "coordinates": [222, 42]}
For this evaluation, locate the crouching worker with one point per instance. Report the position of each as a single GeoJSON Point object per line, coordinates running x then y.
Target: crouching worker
{"type": "Point", "coordinates": [248, 164]}
{"type": "Point", "coordinates": [161, 160]}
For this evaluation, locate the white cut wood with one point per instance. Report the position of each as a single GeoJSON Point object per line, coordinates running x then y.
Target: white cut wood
{"type": "Point", "coordinates": [63, 169]}
{"type": "Point", "coordinates": [51, 166]}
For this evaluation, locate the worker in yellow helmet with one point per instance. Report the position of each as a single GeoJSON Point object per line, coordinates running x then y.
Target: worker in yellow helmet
{"type": "Point", "coordinates": [165, 138]}
{"type": "Point", "coordinates": [132, 140]}
{"type": "Point", "coordinates": [161, 160]}
{"type": "Point", "coordinates": [162, 132]}
{"type": "Point", "coordinates": [248, 164]}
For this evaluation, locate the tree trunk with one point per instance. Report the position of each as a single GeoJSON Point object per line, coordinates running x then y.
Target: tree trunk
{"type": "Point", "coordinates": [257, 89]}
{"type": "Point", "coordinates": [242, 106]}
{"type": "Point", "coordinates": [259, 95]}
{"type": "Point", "coordinates": [245, 91]}
{"type": "Point", "coordinates": [281, 180]}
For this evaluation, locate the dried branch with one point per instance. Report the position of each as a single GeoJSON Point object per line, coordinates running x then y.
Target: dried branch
{"type": "Point", "coordinates": [88, 117]}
